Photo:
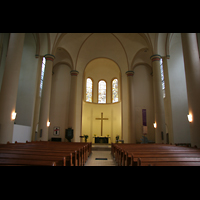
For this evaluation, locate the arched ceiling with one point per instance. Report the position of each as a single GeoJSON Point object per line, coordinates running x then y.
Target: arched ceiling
{"type": "Point", "coordinates": [126, 49]}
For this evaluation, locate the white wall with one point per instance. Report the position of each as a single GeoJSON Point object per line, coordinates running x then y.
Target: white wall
{"type": "Point", "coordinates": [178, 91]}
{"type": "Point", "coordinates": [143, 99]}
{"type": "Point", "coordinates": [21, 133]}
{"type": "Point", "coordinates": [27, 83]}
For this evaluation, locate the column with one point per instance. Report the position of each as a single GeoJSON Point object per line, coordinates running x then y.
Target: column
{"type": "Point", "coordinates": [192, 73]}
{"type": "Point", "coordinates": [72, 101]}
{"type": "Point", "coordinates": [158, 99]}
{"type": "Point", "coordinates": [45, 99]}
{"type": "Point", "coordinates": [9, 86]}
{"type": "Point", "coordinates": [132, 136]}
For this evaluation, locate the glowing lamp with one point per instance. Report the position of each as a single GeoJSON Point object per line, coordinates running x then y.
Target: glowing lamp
{"type": "Point", "coordinates": [48, 124]}
{"type": "Point", "coordinates": [13, 115]}
{"type": "Point", "coordinates": [189, 117]}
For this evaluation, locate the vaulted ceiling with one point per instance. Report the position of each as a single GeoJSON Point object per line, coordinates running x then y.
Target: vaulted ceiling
{"type": "Point", "coordinates": [127, 49]}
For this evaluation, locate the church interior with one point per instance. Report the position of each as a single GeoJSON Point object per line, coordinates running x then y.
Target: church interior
{"type": "Point", "coordinates": [106, 86]}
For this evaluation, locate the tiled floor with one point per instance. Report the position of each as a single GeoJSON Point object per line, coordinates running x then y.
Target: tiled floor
{"type": "Point", "coordinates": [101, 154]}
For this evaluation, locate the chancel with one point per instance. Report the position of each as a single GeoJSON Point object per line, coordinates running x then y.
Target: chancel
{"type": "Point", "coordinates": [133, 80]}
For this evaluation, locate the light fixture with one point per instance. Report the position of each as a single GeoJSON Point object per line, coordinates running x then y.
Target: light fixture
{"type": "Point", "coordinates": [13, 115]}
{"type": "Point", "coordinates": [48, 124]}
{"type": "Point", "coordinates": [155, 125]}
{"type": "Point", "coordinates": [189, 117]}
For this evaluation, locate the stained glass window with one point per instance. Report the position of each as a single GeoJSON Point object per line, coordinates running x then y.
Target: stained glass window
{"type": "Point", "coordinates": [162, 77]}
{"type": "Point", "coordinates": [89, 85]}
{"type": "Point", "coordinates": [102, 92]}
{"type": "Point", "coordinates": [115, 90]}
{"type": "Point", "coordinates": [42, 75]}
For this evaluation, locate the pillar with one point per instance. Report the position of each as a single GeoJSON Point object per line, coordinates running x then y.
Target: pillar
{"type": "Point", "coordinates": [192, 73]}
{"type": "Point", "coordinates": [9, 86]}
{"type": "Point", "coordinates": [45, 99]}
{"type": "Point", "coordinates": [72, 101]}
{"type": "Point", "coordinates": [158, 99]}
{"type": "Point", "coordinates": [132, 135]}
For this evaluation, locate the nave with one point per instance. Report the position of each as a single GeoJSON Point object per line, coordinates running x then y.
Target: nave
{"type": "Point", "coordinates": [101, 156]}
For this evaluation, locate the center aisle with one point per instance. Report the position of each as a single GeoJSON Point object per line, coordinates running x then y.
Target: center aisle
{"type": "Point", "coordinates": [100, 157]}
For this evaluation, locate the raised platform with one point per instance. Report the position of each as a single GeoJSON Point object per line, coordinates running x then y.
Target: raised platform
{"type": "Point", "coordinates": [101, 147]}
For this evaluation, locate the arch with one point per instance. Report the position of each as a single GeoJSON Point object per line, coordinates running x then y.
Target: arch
{"type": "Point", "coordinates": [137, 55]}
{"type": "Point", "coordinates": [89, 36]}
{"type": "Point", "coordinates": [141, 63]}
{"type": "Point", "coordinates": [64, 63]}
{"type": "Point", "coordinates": [101, 58]}
{"type": "Point", "coordinates": [168, 40]}
{"type": "Point", "coordinates": [62, 58]}
{"type": "Point", "coordinates": [148, 41]}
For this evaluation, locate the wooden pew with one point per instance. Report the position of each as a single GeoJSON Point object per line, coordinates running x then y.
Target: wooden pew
{"type": "Point", "coordinates": [63, 159]}
{"type": "Point", "coordinates": [84, 148]}
{"type": "Point", "coordinates": [22, 162]}
{"type": "Point", "coordinates": [168, 161]}
{"type": "Point", "coordinates": [76, 153]}
{"type": "Point", "coordinates": [127, 154]}
{"type": "Point", "coordinates": [69, 155]}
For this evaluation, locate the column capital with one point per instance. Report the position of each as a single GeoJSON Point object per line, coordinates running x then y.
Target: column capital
{"type": "Point", "coordinates": [130, 73]}
{"type": "Point", "coordinates": [74, 73]}
{"type": "Point", "coordinates": [155, 57]}
{"type": "Point", "coordinates": [49, 57]}
{"type": "Point", "coordinates": [168, 56]}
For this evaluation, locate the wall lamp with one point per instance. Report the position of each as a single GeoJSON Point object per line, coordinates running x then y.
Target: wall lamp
{"type": "Point", "coordinates": [48, 124]}
{"type": "Point", "coordinates": [190, 118]}
{"type": "Point", "coordinates": [13, 115]}
{"type": "Point", "coordinates": [155, 125]}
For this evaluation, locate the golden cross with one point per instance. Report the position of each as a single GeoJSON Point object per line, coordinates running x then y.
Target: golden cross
{"type": "Point", "coordinates": [101, 122]}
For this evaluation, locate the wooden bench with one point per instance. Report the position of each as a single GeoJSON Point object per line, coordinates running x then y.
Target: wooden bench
{"type": "Point", "coordinates": [70, 156]}
{"type": "Point", "coordinates": [168, 161]}
{"type": "Point", "coordinates": [128, 154]}
{"type": "Point", "coordinates": [83, 149]}
{"type": "Point", "coordinates": [40, 152]}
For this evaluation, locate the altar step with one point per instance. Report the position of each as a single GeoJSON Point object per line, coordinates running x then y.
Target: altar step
{"type": "Point", "coordinates": [101, 147]}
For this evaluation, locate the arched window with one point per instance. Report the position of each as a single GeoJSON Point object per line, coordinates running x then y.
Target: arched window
{"type": "Point", "coordinates": [115, 91]}
{"type": "Point", "coordinates": [89, 88]}
{"type": "Point", "coordinates": [102, 91]}
{"type": "Point", "coordinates": [162, 77]}
{"type": "Point", "coordinates": [42, 75]}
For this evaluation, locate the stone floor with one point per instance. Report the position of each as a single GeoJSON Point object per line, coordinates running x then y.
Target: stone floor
{"type": "Point", "coordinates": [99, 151]}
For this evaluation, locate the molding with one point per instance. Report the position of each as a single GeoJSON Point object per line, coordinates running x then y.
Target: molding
{"type": "Point", "coordinates": [74, 73]}
{"type": "Point", "coordinates": [130, 73]}
{"type": "Point", "coordinates": [155, 57]}
{"type": "Point", "coordinates": [49, 57]}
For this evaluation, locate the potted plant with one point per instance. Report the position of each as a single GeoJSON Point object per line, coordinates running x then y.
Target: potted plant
{"type": "Point", "coordinates": [86, 137]}
{"type": "Point", "coordinates": [117, 138]}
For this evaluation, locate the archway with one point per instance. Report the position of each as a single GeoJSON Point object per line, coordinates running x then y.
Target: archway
{"type": "Point", "coordinates": [109, 113]}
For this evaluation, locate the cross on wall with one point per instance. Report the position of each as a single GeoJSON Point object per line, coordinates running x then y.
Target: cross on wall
{"type": "Point", "coordinates": [101, 122]}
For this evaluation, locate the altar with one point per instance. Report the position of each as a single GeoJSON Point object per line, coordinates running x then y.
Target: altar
{"type": "Point", "coordinates": [101, 139]}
